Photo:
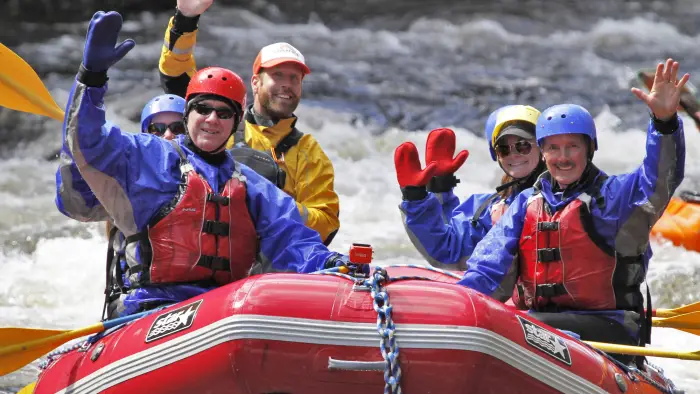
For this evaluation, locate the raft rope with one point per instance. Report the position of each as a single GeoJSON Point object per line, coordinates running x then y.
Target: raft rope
{"type": "Point", "coordinates": [387, 330]}
{"type": "Point", "coordinates": [388, 344]}
{"type": "Point", "coordinates": [66, 349]}
{"type": "Point", "coordinates": [635, 374]}
{"type": "Point", "coordinates": [85, 345]}
{"type": "Point", "coordinates": [669, 387]}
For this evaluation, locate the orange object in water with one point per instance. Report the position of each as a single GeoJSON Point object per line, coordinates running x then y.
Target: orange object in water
{"type": "Point", "coordinates": [680, 223]}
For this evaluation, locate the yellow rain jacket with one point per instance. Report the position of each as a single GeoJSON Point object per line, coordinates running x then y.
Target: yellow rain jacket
{"type": "Point", "coordinates": [310, 174]}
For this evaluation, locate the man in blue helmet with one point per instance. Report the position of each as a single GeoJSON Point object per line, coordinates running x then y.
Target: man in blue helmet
{"type": "Point", "coordinates": [578, 241]}
{"type": "Point", "coordinates": [161, 116]}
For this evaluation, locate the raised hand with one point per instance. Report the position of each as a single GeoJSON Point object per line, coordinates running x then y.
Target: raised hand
{"type": "Point", "coordinates": [408, 167]}
{"type": "Point", "coordinates": [665, 93]}
{"type": "Point", "coordinates": [193, 7]}
{"type": "Point", "coordinates": [101, 49]}
{"type": "Point", "coordinates": [440, 148]}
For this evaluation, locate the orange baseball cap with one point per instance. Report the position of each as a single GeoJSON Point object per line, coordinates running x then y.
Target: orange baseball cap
{"type": "Point", "coordinates": [278, 53]}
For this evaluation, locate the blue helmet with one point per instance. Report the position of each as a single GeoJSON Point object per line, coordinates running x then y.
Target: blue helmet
{"type": "Point", "coordinates": [489, 127]}
{"type": "Point", "coordinates": [566, 119]}
{"type": "Point", "coordinates": [160, 104]}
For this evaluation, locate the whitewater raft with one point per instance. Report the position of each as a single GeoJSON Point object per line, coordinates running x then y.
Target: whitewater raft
{"type": "Point", "coordinates": [292, 333]}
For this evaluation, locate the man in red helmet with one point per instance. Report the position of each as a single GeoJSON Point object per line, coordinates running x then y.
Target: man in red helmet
{"type": "Point", "coordinates": [194, 218]}
{"type": "Point", "coordinates": [269, 122]}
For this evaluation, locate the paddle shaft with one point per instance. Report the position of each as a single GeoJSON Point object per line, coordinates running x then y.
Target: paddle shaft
{"type": "Point", "coordinates": [644, 351]}
{"type": "Point", "coordinates": [68, 335]}
{"type": "Point", "coordinates": [57, 339]}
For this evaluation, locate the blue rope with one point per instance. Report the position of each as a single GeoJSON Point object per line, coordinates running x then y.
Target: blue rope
{"type": "Point", "coordinates": [387, 331]}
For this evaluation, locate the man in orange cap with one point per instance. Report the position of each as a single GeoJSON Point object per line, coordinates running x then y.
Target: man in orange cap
{"type": "Point", "coordinates": [305, 172]}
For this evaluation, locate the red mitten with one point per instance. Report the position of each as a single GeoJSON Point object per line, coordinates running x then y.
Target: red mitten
{"type": "Point", "coordinates": [408, 167]}
{"type": "Point", "coordinates": [440, 148]}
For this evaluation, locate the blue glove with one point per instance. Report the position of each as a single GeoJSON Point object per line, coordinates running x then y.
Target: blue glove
{"type": "Point", "coordinates": [100, 52]}
{"type": "Point", "coordinates": [343, 261]}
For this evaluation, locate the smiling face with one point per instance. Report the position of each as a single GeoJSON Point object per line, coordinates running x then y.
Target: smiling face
{"type": "Point", "coordinates": [566, 156]}
{"type": "Point", "coordinates": [210, 124]}
{"type": "Point", "coordinates": [277, 90]}
{"type": "Point", "coordinates": [516, 158]}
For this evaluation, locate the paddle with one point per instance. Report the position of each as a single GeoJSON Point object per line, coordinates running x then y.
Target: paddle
{"type": "Point", "coordinates": [688, 322]}
{"type": "Point", "coordinates": [20, 346]}
{"type": "Point", "coordinates": [644, 351]}
{"type": "Point", "coordinates": [694, 307]}
{"type": "Point", "coordinates": [21, 88]}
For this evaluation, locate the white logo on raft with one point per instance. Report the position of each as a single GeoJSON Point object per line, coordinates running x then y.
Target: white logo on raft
{"type": "Point", "coordinates": [545, 340]}
{"type": "Point", "coordinates": [173, 321]}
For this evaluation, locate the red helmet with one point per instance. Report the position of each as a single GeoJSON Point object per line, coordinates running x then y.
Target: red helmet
{"type": "Point", "coordinates": [219, 81]}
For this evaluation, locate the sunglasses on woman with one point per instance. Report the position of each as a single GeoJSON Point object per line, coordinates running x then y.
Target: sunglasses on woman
{"type": "Point", "coordinates": [221, 112]}
{"type": "Point", "coordinates": [159, 129]}
{"type": "Point", "coordinates": [523, 147]}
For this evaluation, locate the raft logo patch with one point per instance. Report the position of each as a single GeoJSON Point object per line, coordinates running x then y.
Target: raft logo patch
{"type": "Point", "coordinates": [174, 321]}
{"type": "Point", "coordinates": [545, 341]}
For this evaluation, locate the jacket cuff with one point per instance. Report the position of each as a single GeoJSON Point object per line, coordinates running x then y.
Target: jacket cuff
{"type": "Point", "coordinates": [666, 127]}
{"type": "Point", "coordinates": [94, 79]}
{"type": "Point", "coordinates": [442, 183]}
{"type": "Point", "coordinates": [414, 193]}
{"type": "Point", "coordinates": [185, 24]}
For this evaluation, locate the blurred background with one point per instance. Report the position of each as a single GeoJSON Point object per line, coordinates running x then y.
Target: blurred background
{"type": "Point", "coordinates": [383, 72]}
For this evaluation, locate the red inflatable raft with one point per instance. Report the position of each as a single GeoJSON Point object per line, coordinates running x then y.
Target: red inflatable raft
{"type": "Point", "coordinates": [292, 333]}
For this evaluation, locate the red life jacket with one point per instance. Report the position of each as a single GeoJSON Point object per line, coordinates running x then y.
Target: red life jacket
{"type": "Point", "coordinates": [203, 236]}
{"type": "Point", "coordinates": [565, 264]}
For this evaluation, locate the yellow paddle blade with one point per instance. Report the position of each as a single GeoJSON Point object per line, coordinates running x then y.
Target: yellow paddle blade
{"type": "Point", "coordinates": [688, 322]}
{"type": "Point", "coordinates": [644, 351]}
{"type": "Point", "coordinates": [13, 361]}
{"type": "Point", "coordinates": [21, 88]}
{"type": "Point", "coordinates": [22, 352]}
{"type": "Point", "coordinates": [694, 307]}
{"type": "Point", "coordinates": [28, 389]}
{"type": "Point", "coordinates": [12, 336]}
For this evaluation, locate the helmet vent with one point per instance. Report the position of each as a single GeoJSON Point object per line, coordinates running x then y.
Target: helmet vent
{"type": "Point", "coordinates": [549, 118]}
{"type": "Point", "coordinates": [223, 78]}
{"type": "Point", "coordinates": [563, 116]}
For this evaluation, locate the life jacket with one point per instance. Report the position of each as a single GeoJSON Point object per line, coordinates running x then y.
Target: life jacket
{"type": "Point", "coordinates": [261, 162]}
{"type": "Point", "coordinates": [566, 264]}
{"type": "Point", "coordinates": [201, 236]}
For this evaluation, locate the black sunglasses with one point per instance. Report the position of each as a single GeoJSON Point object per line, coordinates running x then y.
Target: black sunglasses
{"type": "Point", "coordinates": [221, 112]}
{"type": "Point", "coordinates": [523, 147]}
{"type": "Point", "coordinates": [159, 129]}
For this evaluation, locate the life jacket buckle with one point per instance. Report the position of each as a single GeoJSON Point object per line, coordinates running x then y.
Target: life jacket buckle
{"type": "Point", "coordinates": [547, 255]}
{"type": "Point", "coordinates": [548, 226]}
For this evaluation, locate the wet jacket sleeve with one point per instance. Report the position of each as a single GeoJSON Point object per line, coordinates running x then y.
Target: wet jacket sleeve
{"type": "Point", "coordinates": [315, 194]}
{"type": "Point", "coordinates": [176, 64]}
{"type": "Point", "coordinates": [132, 175]}
{"type": "Point", "coordinates": [441, 238]}
{"type": "Point", "coordinates": [74, 198]}
{"type": "Point", "coordinates": [634, 201]}
{"type": "Point", "coordinates": [284, 240]}
{"type": "Point", "coordinates": [493, 267]}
